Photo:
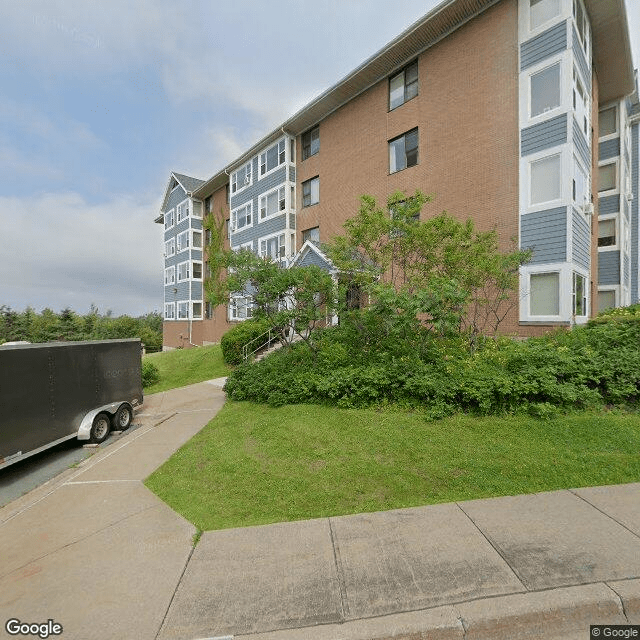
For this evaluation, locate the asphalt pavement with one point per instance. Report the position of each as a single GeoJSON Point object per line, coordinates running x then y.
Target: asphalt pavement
{"type": "Point", "coordinates": [94, 551]}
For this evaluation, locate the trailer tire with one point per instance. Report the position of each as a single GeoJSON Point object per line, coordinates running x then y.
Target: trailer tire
{"type": "Point", "coordinates": [100, 428]}
{"type": "Point", "coordinates": [122, 418]}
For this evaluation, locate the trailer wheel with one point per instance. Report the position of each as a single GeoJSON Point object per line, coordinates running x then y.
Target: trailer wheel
{"type": "Point", "coordinates": [122, 418]}
{"type": "Point", "coordinates": [100, 428]}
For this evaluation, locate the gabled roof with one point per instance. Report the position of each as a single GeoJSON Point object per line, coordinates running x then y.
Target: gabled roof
{"type": "Point", "coordinates": [188, 183]}
{"type": "Point", "coordinates": [310, 254]}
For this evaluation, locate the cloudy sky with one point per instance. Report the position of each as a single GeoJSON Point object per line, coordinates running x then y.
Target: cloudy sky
{"type": "Point", "coordinates": [101, 100]}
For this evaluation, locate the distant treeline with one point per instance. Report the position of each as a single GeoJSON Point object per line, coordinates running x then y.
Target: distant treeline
{"type": "Point", "coordinates": [49, 326]}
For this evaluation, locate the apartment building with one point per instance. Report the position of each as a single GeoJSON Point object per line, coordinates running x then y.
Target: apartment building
{"type": "Point", "coordinates": [520, 114]}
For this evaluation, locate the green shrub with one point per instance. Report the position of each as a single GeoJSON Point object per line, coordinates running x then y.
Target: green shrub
{"type": "Point", "coordinates": [243, 333]}
{"type": "Point", "coordinates": [150, 373]}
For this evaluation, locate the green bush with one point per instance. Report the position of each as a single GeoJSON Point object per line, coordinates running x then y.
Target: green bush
{"type": "Point", "coordinates": [150, 373]}
{"type": "Point", "coordinates": [243, 333]}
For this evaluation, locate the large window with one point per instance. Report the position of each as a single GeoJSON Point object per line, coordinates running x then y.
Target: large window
{"type": "Point", "coordinates": [545, 90]}
{"type": "Point", "coordinates": [311, 192]}
{"type": "Point", "coordinates": [272, 203]}
{"type": "Point", "coordinates": [240, 308]}
{"type": "Point", "coordinates": [607, 233]}
{"type": "Point", "coordinates": [403, 86]}
{"type": "Point", "coordinates": [608, 122]}
{"type": "Point", "coordinates": [582, 24]}
{"type": "Point", "coordinates": [581, 194]}
{"type": "Point", "coordinates": [310, 143]}
{"type": "Point", "coordinates": [544, 295]}
{"type": "Point", "coordinates": [403, 151]}
{"type": "Point", "coordinates": [241, 217]}
{"type": "Point", "coordinates": [182, 241]}
{"type": "Point", "coordinates": [183, 271]}
{"type": "Point", "coordinates": [606, 300]}
{"type": "Point", "coordinates": [542, 11]}
{"type": "Point", "coordinates": [196, 239]}
{"type": "Point", "coordinates": [183, 310]}
{"type": "Point", "coordinates": [169, 275]}
{"type": "Point", "coordinates": [170, 248]}
{"type": "Point", "coordinates": [169, 310]}
{"type": "Point", "coordinates": [608, 177]}
{"type": "Point", "coordinates": [169, 219]}
{"type": "Point", "coordinates": [545, 180]}
{"type": "Point", "coordinates": [241, 178]}
{"type": "Point", "coordinates": [273, 248]}
{"type": "Point", "coordinates": [273, 157]}
{"type": "Point", "coordinates": [581, 105]}
{"type": "Point", "coordinates": [196, 270]}
{"type": "Point", "coordinates": [183, 210]}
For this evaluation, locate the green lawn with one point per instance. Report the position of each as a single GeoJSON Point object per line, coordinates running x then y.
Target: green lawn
{"type": "Point", "coordinates": [181, 367]}
{"type": "Point", "coordinates": [255, 465]}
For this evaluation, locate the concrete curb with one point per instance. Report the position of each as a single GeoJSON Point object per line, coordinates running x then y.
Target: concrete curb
{"type": "Point", "coordinates": [556, 614]}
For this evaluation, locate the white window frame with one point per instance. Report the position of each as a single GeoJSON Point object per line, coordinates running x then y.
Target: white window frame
{"type": "Point", "coordinates": [546, 204]}
{"type": "Point", "coordinates": [192, 270]}
{"type": "Point", "coordinates": [244, 245]}
{"type": "Point", "coordinates": [543, 25]}
{"type": "Point", "coordinates": [192, 310]}
{"type": "Point", "coordinates": [235, 187]}
{"type": "Point", "coordinates": [607, 218]}
{"type": "Point", "coordinates": [170, 248]}
{"type": "Point", "coordinates": [263, 203]}
{"type": "Point", "coordinates": [586, 43]}
{"type": "Point", "coordinates": [403, 137]}
{"type": "Point", "coordinates": [616, 134]}
{"type": "Point", "coordinates": [585, 295]}
{"type": "Point", "coordinates": [233, 308]}
{"type": "Point", "coordinates": [181, 276]}
{"type": "Point", "coordinates": [197, 208]}
{"type": "Point", "coordinates": [169, 310]}
{"type": "Point", "coordinates": [169, 216]}
{"type": "Point", "coordinates": [585, 124]}
{"type": "Point", "coordinates": [234, 217]}
{"type": "Point", "coordinates": [262, 158]}
{"type": "Point", "coordinates": [182, 211]}
{"type": "Point", "coordinates": [169, 276]}
{"type": "Point", "coordinates": [533, 71]}
{"type": "Point", "coordinates": [193, 235]}
{"type": "Point", "coordinates": [182, 304]}
{"type": "Point", "coordinates": [581, 206]}
{"type": "Point", "coordinates": [282, 245]}
{"type": "Point", "coordinates": [616, 189]}
{"type": "Point", "coordinates": [179, 241]}
{"type": "Point", "coordinates": [615, 289]}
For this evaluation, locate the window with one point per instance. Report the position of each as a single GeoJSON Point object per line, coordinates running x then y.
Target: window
{"type": "Point", "coordinates": [310, 143]}
{"type": "Point", "coordinates": [196, 270]}
{"type": "Point", "coordinates": [170, 248]}
{"type": "Point", "coordinates": [403, 86]}
{"type": "Point", "coordinates": [273, 248]}
{"type": "Point", "coordinates": [273, 157]}
{"type": "Point", "coordinates": [582, 24]}
{"type": "Point", "coordinates": [169, 276]}
{"type": "Point", "coordinates": [545, 180]}
{"type": "Point", "coordinates": [312, 235]}
{"type": "Point", "coordinates": [183, 210]}
{"type": "Point", "coordinates": [169, 219]}
{"type": "Point", "coordinates": [541, 11]}
{"type": "Point", "coordinates": [311, 192]}
{"type": "Point", "coordinates": [241, 178]}
{"type": "Point", "coordinates": [241, 217]}
{"type": "Point", "coordinates": [581, 105]}
{"type": "Point", "coordinates": [169, 310]}
{"type": "Point", "coordinates": [208, 204]}
{"type": "Point", "coordinates": [544, 298]}
{"type": "Point", "coordinates": [183, 271]}
{"type": "Point", "coordinates": [579, 295]}
{"type": "Point", "coordinates": [608, 122]}
{"type": "Point", "coordinates": [606, 300]}
{"type": "Point", "coordinates": [196, 310]}
{"type": "Point", "coordinates": [196, 239]}
{"type": "Point", "coordinates": [403, 151]}
{"type": "Point", "coordinates": [207, 237]}
{"type": "Point", "coordinates": [607, 232]}
{"type": "Point", "coordinates": [182, 241]}
{"type": "Point", "coordinates": [608, 177]}
{"type": "Point", "coordinates": [240, 308]}
{"type": "Point", "coordinates": [545, 90]}
{"type": "Point", "coordinates": [581, 195]}
{"type": "Point", "coordinates": [272, 203]}
{"type": "Point", "coordinates": [208, 310]}
{"type": "Point", "coordinates": [183, 310]}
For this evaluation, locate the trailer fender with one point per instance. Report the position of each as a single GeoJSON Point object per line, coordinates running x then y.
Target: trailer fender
{"type": "Point", "coordinates": [84, 432]}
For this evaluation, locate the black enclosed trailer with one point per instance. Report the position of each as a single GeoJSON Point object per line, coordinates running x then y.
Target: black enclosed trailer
{"type": "Point", "coordinates": [56, 391]}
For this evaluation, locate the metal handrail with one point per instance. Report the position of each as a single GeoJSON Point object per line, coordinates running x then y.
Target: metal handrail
{"type": "Point", "coordinates": [245, 349]}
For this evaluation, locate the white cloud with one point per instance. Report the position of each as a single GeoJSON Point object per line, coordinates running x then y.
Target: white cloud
{"type": "Point", "coordinates": [60, 251]}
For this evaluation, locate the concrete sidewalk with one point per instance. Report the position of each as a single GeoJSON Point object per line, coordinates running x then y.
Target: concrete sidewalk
{"type": "Point", "coordinates": [97, 552]}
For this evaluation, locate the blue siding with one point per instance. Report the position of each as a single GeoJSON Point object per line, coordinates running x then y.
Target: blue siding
{"type": "Point", "coordinates": [182, 294]}
{"type": "Point", "coordinates": [544, 135]}
{"type": "Point", "coordinates": [175, 198]}
{"type": "Point", "coordinates": [626, 271]}
{"type": "Point", "coordinates": [581, 144]}
{"type": "Point", "coordinates": [581, 60]}
{"type": "Point", "coordinates": [292, 220]}
{"type": "Point", "coordinates": [581, 240]}
{"type": "Point", "coordinates": [608, 267]}
{"type": "Point", "coordinates": [626, 207]}
{"type": "Point", "coordinates": [196, 290]}
{"type": "Point", "coordinates": [608, 204]}
{"type": "Point", "coordinates": [292, 173]}
{"type": "Point", "coordinates": [543, 46]}
{"type": "Point", "coordinates": [259, 186]}
{"type": "Point", "coordinates": [272, 225]}
{"type": "Point", "coordinates": [635, 212]}
{"type": "Point", "coordinates": [312, 258]}
{"type": "Point", "coordinates": [609, 149]}
{"type": "Point", "coordinates": [546, 233]}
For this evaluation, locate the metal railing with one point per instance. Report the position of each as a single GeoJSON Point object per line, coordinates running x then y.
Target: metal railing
{"type": "Point", "coordinates": [272, 336]}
